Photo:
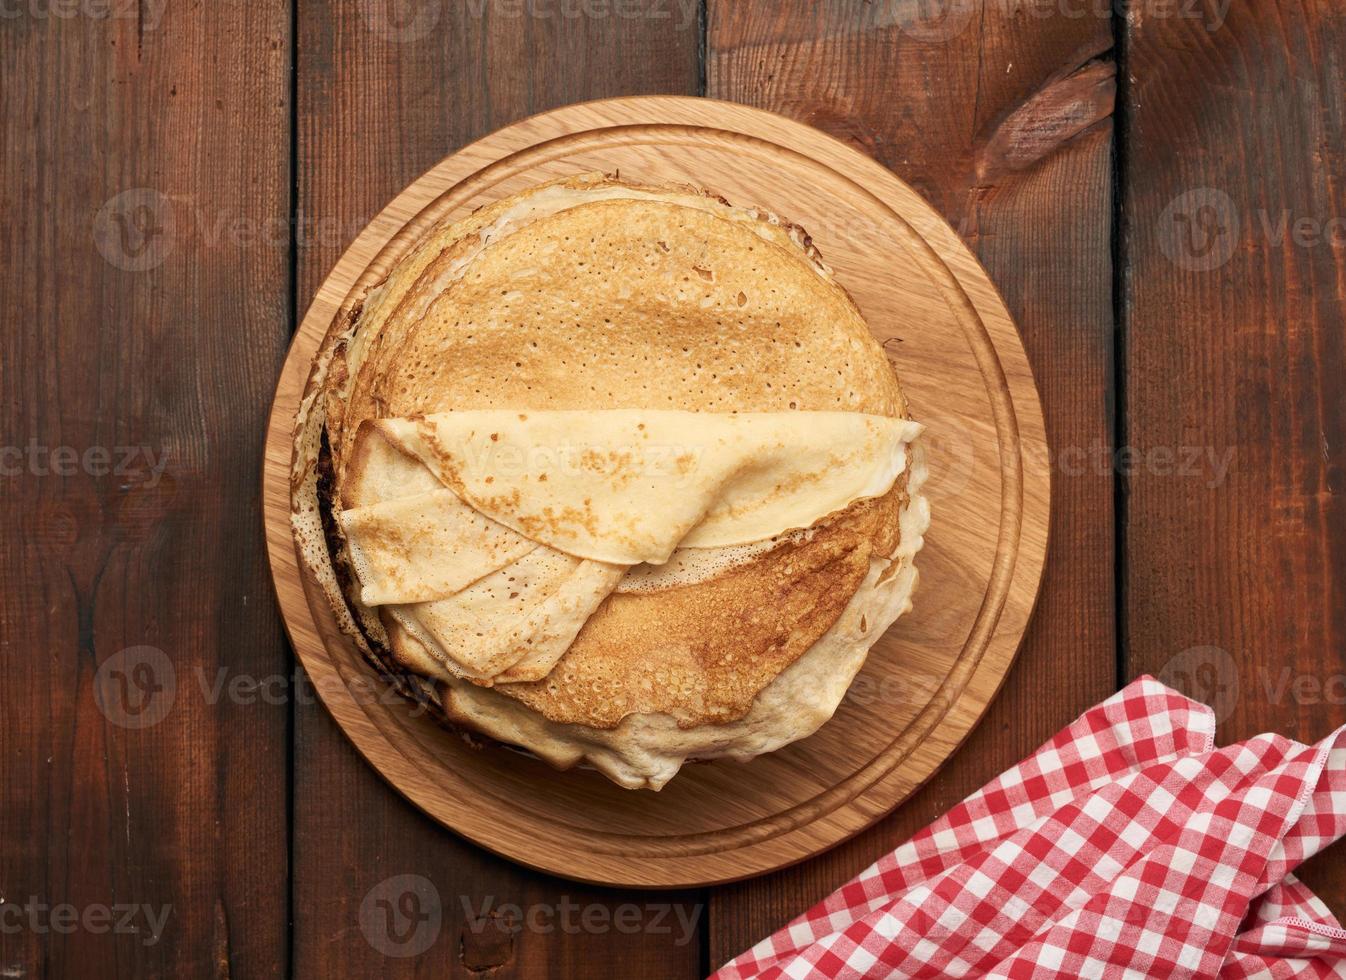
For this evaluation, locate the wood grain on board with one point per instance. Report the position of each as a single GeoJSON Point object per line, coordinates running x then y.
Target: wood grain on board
{"type": "Point", "coordinates": [143, 781]}
{"type": "Point", "coordinates": [1234, 586]}
{"type": "Point", "coordinates": [387, 90]}
{"type": "Point", "coordinates": [1008, 132]}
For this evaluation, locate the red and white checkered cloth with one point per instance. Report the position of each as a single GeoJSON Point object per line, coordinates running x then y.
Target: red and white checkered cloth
{"type": "Point", "coordinates": [1127, 846]}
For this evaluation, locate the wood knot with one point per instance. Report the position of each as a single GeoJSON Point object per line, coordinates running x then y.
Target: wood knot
{"type": "Point", "coordinates": [1048, 119]}
{"type": "Point", "coordinates": [486, 942]}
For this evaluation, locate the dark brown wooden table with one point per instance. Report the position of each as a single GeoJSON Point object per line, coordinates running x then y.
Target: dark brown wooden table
{"type": "Point", "coordinates": [1157, 186]}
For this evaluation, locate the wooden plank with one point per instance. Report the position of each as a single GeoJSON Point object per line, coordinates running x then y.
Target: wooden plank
{"type": "Point", "coordinates": [1235, 221]}
{"type": "Point", "coordinates": [1008, 132]}
{"type": "Point", "coordinates": [386, 91]}
{"type": "Point", "coordinates": [145, 187]}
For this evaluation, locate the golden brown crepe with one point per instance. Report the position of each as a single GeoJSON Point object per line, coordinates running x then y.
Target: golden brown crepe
{"type": "Point", "coordinates": [614, 473]}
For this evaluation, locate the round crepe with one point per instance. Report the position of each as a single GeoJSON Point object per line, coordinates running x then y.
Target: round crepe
{"type": "Point", "coordinates": [593, 294]}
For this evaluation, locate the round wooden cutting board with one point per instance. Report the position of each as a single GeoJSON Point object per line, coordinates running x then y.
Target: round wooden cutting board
{"type": "Point", "coordinates": [925, 683]}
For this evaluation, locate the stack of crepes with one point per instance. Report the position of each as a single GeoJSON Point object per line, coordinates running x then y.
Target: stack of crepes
{"type": "Point", "coordinates": [613, 473]}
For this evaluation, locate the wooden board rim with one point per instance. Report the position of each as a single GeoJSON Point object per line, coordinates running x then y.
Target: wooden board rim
{"type": "Point", "coordinates": [1022, 568]}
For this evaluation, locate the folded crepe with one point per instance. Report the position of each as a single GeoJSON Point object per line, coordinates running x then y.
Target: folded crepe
{"type": "Point", "coordinates": [613, 473]}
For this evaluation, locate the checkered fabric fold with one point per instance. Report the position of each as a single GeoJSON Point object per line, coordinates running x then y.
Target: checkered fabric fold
{"type": "Point", "coordinates": [1127, 846]}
